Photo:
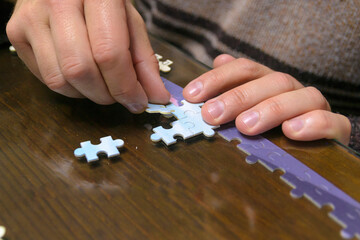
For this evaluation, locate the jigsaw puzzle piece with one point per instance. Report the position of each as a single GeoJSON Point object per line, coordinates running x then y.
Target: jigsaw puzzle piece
{"type": "Point", "coordinates": [107, 146]}
{"type": "Point", "coordinates": [167, 135]}
{"type": "Point", "coordinates": [345, 210]}
{"type": "Point", "coordinates": [199, 125]}
{"type": "Point", "coordinates": [179, 112]}
{"type": "Point", "coordinates": [158, 108]}
{"type": "Point", "coordinates": [303, 180]}
{"type": "Point", "coordinates": [175, 90]}
{"type": "Point", "coordinates": [164, 66]}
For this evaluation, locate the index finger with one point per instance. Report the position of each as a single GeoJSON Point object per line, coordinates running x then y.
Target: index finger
{"type": "Point", "coordinates": [224, 78]}
{"type": "Point", "coordinates": [110, 43]}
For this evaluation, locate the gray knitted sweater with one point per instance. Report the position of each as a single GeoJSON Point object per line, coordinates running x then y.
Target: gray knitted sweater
{"type": "Point", "coordinates": [317, 42]}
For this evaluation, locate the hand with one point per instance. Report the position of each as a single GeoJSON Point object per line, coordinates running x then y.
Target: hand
{"type": "Point", "coordinates": [84, 48]}
{"type": "Point", "coordinates": [260, 99]}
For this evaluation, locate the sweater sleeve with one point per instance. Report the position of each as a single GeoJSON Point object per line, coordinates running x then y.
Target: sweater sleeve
{"type": "Point", "coordinates": [355, 133]}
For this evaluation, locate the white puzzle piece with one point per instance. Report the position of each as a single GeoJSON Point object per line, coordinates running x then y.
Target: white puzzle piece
{"type": "Point", "coordinates": [189, 122]}
{"type": "Point", "coordinates": [164, 66]}
{"type": "Point", "coordinates": [107, 146]}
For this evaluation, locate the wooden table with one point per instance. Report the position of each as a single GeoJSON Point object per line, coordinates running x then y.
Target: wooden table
{"type": "Point", "coordinates": [199, 189]}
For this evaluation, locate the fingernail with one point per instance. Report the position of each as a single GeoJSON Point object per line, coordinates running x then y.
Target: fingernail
{"type": "Point", "coordinates": [250, 119]}
{"type": "Point", "coordinates": [194, 88]}
{"type": "Point", "coordinates": [296, 124]}
{"type": "Point", "coordinates": [135, 107]}
{"type": "Point", "coordinates": [216, 109]}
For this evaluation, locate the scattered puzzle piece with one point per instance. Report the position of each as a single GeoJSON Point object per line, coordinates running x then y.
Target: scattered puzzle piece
{"type": "Point", "coordinates": [107, 146]}
{"type": "Point", "coordinates": [164, 66]}
{"type": "Point", "coordinates": [189, 123]}
{"type": "Point", "coordinates": [2, 232]}
{"type": "Point", "coordinates": [12, 49]}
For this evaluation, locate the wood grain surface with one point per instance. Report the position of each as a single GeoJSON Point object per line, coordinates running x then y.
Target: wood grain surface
{"type": "Point", "coordinates": [198, 189]}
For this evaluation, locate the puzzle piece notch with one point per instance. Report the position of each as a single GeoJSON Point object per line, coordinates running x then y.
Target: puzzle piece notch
{"type": "Point", "coordinates": [164, 66]}
{"type": "Point", "coordinates": [107, 146]}
{"type": "Point", "coordinates": [167, 135]}
{"type": "Point", "coordinates": [189, 123]}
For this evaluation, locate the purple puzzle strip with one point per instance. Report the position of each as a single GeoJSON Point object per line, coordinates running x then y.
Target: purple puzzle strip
{"type": "Point", "coordinates": [303, 180]}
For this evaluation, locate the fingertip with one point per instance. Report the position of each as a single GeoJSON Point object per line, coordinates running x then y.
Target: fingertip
{"type": "Point", "coordinates": [193, 90]}
{"type": "Point", "coordinates": [207, 116]}
{"type": "Point", "coordinates": [222, 59]}
{"type": "Point", "coordinates": [162, 97]}
{"type": "Point", "coordinates": [316, 125]}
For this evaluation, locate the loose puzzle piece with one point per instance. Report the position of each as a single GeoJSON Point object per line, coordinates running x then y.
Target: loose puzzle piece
{"type": "Point", "coordinates": [305, 181]}
{"type": "Point", "coordinates": [189, 123]}
{"type": "Point", "coordinates": [164, 66]}
{"type": "Point", "coordinates": [2, 232]}
{"type": "Point", "coordinates": [107, 146]}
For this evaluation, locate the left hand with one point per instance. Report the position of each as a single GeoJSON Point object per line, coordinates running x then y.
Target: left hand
{"type": "Point", "coordinates": [261, 99]}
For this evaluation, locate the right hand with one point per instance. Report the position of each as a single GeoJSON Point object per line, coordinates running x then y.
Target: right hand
{"type": "Point", "coordinates": [84, 48]}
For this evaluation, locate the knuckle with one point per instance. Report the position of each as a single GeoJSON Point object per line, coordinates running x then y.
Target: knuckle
{"type": "Point", "coordinates": [56, 6]}
{"type": "Point", "coordinates": [283, 81]}
{"type": "Point", "coordinates": [240, 95]}
{"type": "Point", "coordinates": [275, 106]}
{"type": "Point", "coordinates": [151, 59]}
{"type": "Point", "coordinates": [12, 31]}
{"type": "Point", "coordinates": [247, 64]}
{"type": "Point", "coordinates": [121, 94]}
{"type": "Point", "coordinates": [73, 69]}
{"type": "Point", "coordinates": [215, 76]}
{"type": "Point", "coordinates": [316, 96]}
{"type": "Point", "coordinates": [324, 119]}
{"type": "Point", "coordinates": [54, 81]}
{"type": "Point", "coordinates": [29, 14]}
{"type": "Point", "coordinates": [105, 52]}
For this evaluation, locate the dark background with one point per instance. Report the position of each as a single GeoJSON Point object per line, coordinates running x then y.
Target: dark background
{"type": "Point", "coordinates": [5, 13]}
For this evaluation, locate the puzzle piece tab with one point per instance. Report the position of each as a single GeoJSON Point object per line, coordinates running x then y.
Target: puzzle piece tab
{"type": "Point", "coordinates": [189, 123]}
{"type": "Point", "coordinates": [107, 146]}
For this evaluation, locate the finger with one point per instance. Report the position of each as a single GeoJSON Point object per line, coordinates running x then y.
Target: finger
{"type": "Point", "coordinates": [223, 78]}
{"type": "Point", "coordinates": [318, 124]}
{"type": "Point", "coordinates": [145, 62]}
{"type": "Point", "coordinates": [273, 111]}
{"type": "Point", "coordinates": [222, 60]}
{"type": "Point", "coordinates": [230, 104]}
{"type": "Point", "coordinates": [47, 64]}
{"type": "Point", "coordinates": [17, 37]}
{"type": "Point", "coordinates": [109, 36]}
{"type": "Point", "coordinates": [26, 54]}
{"type": "Point", "coordinates": [73, 49]}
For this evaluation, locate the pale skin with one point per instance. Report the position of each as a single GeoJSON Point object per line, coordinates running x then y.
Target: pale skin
{"type": "Point", "coordinates": [101, 50]}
